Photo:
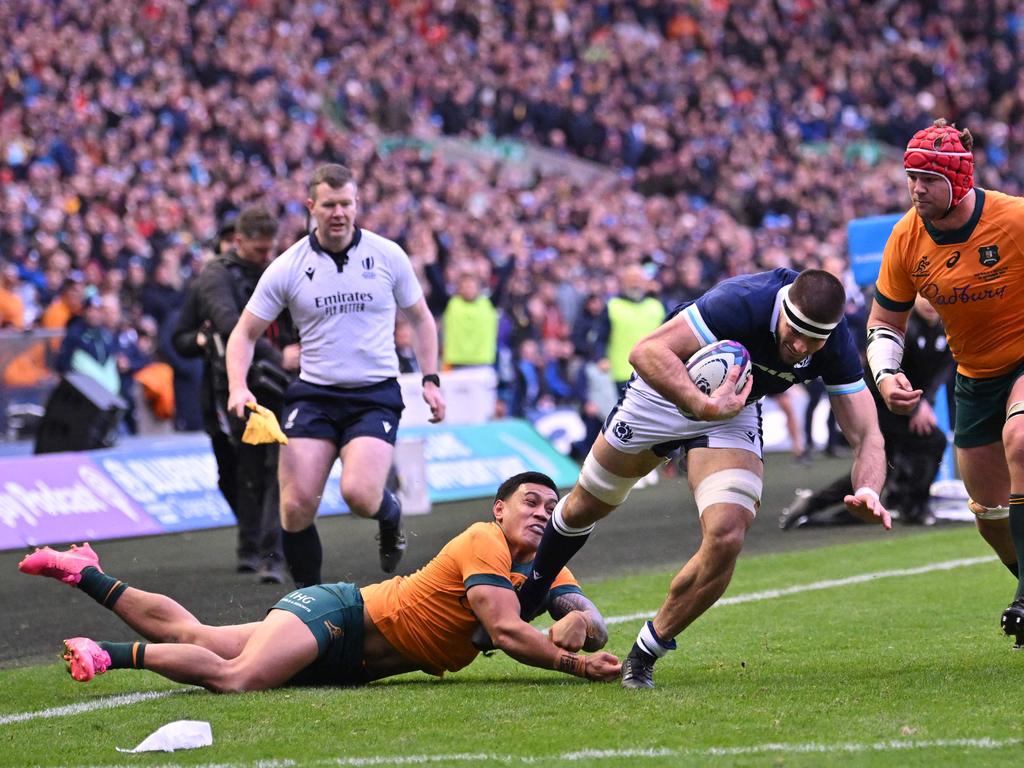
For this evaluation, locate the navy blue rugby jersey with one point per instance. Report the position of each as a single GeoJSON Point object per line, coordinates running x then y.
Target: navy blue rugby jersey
{"type": "Point", "coordinates": [746, 309]}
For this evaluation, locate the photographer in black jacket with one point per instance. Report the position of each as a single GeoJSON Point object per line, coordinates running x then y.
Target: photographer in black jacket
{"type": "Point", "coordinates": [248, 473]}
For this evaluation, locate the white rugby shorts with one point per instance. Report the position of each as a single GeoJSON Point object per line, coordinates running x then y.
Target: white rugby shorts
{"type": "Point", "coordinates": [644, 420]}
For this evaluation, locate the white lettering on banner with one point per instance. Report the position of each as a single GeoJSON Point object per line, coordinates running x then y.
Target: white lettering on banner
{"type": "Point", "coordinates": [472, 473]}
{"type": "Point", "coordinates": [445, 445]}
{"type": "Point", "coordinates": [103, 487]}
{"type": "Point", "coordinates": [145, 480]}
{"type": "Point", "coordinates": [90, 494]}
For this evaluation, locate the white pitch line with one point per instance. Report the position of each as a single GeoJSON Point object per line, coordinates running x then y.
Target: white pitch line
{"type": "Point", "coordinates": [107, 702]}
{"type": "Point", "coordinates": [770, 594]}
{"type": "Point", "coordinates": [592, 755]}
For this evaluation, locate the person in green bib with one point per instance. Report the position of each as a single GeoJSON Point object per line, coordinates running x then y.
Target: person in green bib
{"type": "Point", "coordinates": [469, 325]}
{"type": "Point", "coordinates": [632, 314]}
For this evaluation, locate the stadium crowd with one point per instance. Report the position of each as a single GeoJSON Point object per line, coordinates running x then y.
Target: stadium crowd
{"type": "Point", "coordinates": [736, 136]}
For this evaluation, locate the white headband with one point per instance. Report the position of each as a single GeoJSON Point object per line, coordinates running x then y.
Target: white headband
{"type": "Point", "coordinates": [801, 322]}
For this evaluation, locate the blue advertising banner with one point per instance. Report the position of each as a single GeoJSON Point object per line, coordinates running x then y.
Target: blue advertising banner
{"type": "Point", "coordinates": [469, 462]}
{"type": "Point", "coordinates": [865, 241]}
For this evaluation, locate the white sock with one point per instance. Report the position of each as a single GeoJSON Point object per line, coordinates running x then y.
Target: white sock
{"type": "Point", "coordinates": [559, 524]}
{"type": "Point", "coordinates": [651, 643]}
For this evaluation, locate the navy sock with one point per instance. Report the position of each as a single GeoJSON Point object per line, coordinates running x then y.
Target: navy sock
{"type": "Point", "coordinates": [104, 589]}
{"type": "Point", "coordinates": [304, 555]}
{"type": "Point", "coordinates": [1017, 534]}
{"type": "Point", "coordinates": [1014, 569]}
{"type": "Point", "coordinates": [390, 512]}
{"type": "Point", "coordinates": [125, 655]}
{"type": "Point", "coordinates": [555, 550]}
{"type": "Point", "coordinates": [636, 650]}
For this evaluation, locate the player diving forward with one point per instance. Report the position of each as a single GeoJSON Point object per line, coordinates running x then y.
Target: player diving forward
{"type": "Point", "coordinates": [794, 329]}
{"type": "Point", "coordinates": [339, 634]}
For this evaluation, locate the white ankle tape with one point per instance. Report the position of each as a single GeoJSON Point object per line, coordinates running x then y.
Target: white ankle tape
{"type": "Point", "coordinates": [559, 524]}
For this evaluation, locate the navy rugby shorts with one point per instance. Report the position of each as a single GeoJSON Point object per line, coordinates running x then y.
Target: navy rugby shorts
{"type": "Point", "coordinates": [342, 413]}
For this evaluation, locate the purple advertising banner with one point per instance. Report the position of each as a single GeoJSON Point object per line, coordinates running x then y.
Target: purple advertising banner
{"type": "Point", "coordinates": [64, 498]}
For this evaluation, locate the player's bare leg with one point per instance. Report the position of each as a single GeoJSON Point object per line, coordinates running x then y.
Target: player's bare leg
{"type": "Point", "coordinates": [1012, 620]}
{"type": "Point", "coordinates": [705, 577]}
{"type": "Point", "coordinates": [987, 480]}
{"type": "Point", "coordinates": [160, 619]}
{"type": "Point", "coordinates": [279, 648]}
{"type": "Point", "coordinates": [156, 617]}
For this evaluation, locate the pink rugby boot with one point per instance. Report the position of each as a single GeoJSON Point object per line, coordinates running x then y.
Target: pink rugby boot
{"type": "Point", "coordinates": [65, 566]}
{"type": "Point", "coordinates": [85, 659]}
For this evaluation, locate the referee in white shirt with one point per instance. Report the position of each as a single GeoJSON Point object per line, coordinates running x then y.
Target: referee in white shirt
{"type": "Point", "coordinates": [343, 286]}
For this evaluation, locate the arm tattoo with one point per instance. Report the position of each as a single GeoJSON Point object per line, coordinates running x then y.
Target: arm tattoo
{"type": "Point", "coordinates": [571, 664]}
{"type": "Point", "coordinates": [597, 632]}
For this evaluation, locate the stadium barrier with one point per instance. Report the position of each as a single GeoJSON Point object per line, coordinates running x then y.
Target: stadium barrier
{"type": "Point", "coordinates": [148, 486]}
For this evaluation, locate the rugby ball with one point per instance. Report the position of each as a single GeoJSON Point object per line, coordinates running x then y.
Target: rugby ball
{"type": "Point", "coordinates": [709, 366]}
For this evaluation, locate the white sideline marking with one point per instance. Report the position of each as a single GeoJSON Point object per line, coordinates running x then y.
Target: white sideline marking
{"type": "Point", "coordinates": [770, 594]}
{"type": "Point", "coordinates": [480, 758]}
{"type": "Point", "coordinates": [107, 702]}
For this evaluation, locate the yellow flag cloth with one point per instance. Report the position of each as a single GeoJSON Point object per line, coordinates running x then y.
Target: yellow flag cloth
{"type": "Point", "coordinates": [262, 427]}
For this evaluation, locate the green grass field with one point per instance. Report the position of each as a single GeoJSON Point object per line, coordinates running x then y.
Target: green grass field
{"type": "Point", "coordinates": [899, 669]}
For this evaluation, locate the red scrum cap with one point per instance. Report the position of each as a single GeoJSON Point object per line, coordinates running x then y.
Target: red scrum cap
{"type": "Point", "coordinates": [939, 150]}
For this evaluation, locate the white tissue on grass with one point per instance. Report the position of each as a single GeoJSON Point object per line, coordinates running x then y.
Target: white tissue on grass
{"type": "Point", "coordinates": [181, 734]}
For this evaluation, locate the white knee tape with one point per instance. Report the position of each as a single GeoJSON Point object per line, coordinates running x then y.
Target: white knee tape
{"type": "Point", "coordinates": [602, 484]}
{"type": "Point", "coordinates": [730, 486]}
{"type": "Point", "coordinates": [987, 513]}
{"type": "Point", "coordinates": [1015, 409]}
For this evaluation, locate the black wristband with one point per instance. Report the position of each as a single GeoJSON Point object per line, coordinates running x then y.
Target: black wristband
{"type": "Point", "coordinates": [433, 378]}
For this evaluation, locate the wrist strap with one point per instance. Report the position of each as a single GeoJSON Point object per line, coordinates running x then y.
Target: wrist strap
{"type": "Point", "coordinates": [866, 491]}
{"type": "Point", "coordinates": [433, 378]}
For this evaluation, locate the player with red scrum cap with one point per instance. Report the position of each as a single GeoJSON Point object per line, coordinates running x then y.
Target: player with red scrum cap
{"type": "Point", "coordinates": [962, 248]}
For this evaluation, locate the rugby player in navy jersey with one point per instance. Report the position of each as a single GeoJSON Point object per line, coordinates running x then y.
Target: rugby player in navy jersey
{"type": "Point", "coordinates": [794, 329]}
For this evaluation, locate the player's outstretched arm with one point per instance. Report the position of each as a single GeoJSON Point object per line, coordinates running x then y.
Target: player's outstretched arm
{"type": "Point", "coordinates": [858, 419]}
{"type": "Point", "coordinates": [578, 623]}
{"type": "Point", "coordinates": [497, 609]}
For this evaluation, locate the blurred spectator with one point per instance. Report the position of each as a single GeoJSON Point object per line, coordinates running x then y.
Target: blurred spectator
{"type": "Point", "coordinates": [632, 314]}
{"type": "Point", "coordinates": [12, 308]}
{"type": "Point", "coordinates": [407, 362]}
{"type": "Point", "coordinates": [469, 325]}
{"type": "Point", "coordinates": [590, 331]}
{"type": "Point", "coordinates": [89, 347]}
{"type": "Point", "coordinates": [155, 410]}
